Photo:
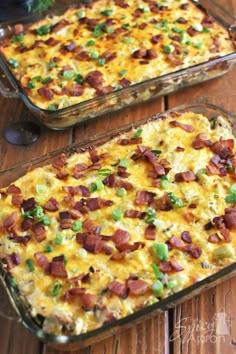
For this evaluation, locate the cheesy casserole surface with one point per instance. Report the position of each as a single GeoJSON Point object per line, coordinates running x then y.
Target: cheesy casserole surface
{"type": "Point", "coordinates": [104, 46]}
{"type": "Point", "coordinates": [99, 234]}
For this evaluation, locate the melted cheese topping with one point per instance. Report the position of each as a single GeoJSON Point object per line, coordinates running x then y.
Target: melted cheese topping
{"type": "Point", "coordinates": [198, 202]}
{"type": "Point", "coordinates": [53, 59]}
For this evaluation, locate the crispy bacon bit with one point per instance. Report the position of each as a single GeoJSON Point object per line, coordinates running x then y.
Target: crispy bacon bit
{"type": "Point", "coordinates": [118, 289]}
{"type": "Point", "coordinates": [88, 301]}
{"type": "Point", "coordinates": [226, 234]}
{"type": "Point", "coordinates": [230, 219]}
{"type": "Point", "coordinates": [94, 79]}
{"type": "Point", "coordinates": [28, 204]}
{"type": "Point", "coordinates": [17, 200]}
{"type": "Point", "coordinates": [72, 292]}
{"type": "Point", "coordinates": [26, 224]}
{"type": "Point", "coordinates": [130, 141]}
{"type": "Point", "coordinates": [176, 242]}
{"type": "Point", "coordinates": [150, 232]}
{"type": "Point", "coordinates": [94, 155]}
{"type": "Point", "coordinates": [121, 3]}
{"type": "Point", "coordinates": [13, 189]}
{"type": "Point", "coordinates": [83, 56]}
{"type": "Point", "coordinates": [123, 184]}
{"type": "Point", "coordinates": [59, 162]}
{"type": "Point", "coordinates": [120, 236]}
{"type": "Point", "coordinates": [75, 214]}
{"type": "Point", "coordinates": [39, 231]}
{"type": "Point", "coordinates": [165, 266]}
{"type": "Point", "coordinates": [10, 221]}
{"type": "Point", "coordinates": [46, 93]}
{"type": "Point", "coordinates": [20, 239]}
{"type": "Point", "coordinates": [191, 31]}
{"type": "Point", "coordinates": [184, 6]}
{"type": "Point", "coordinates": [76, 90]}
{"type": "Point", "coordinates": [133, 214]}
{"type": "Point", "coordinates": [58, 269]}
{"type": "Point", "coordinates": [91, 227]}
{"type": "Point", "coordinates": [208, 21]}
{"type": "Point", "coordinates": [185, 236]}
{"type": "Point", "coordinates": [119, 256]}
{"type": "Point", "coordinates": [131, 247]}
{"type": "Point", "coordinates": [124, 82]}
{"type": "Point", "coordinates": [165, 202]}
{"type": "Point", "coordinates": [156, 39]}
{"type": "Point", "coordinates": [144, 198]}
{"type": "Point", "coordinates": [62, 175]}
{"type": "Point", "coordinates": [81, 190]}
{"type": "Point", "coordinates": [214, 238]}
{"type": "Point", "coordinates": [187, 127]}
{"type": "Point", "coordinates": [108, 56]}
{"type": "Point", "coordinates": [52, 41]}
{"type": "Point", "coordinates": [65, 224]}
{"type": "Point", "coordinates": [42, 261]}
{"type": "Point", "coordinates": [51, 205]}
{"type": "Point", "coordinates": [109, 180]}
{"type": "Point", "coordinates": [12, 260]}
{"type": "Point", "coordinates": [59, 25]}
{"type": "Point", "coordinates": [175, 265]}
{"type": "Point", "coordinates": [122, 172]}
{"type": "Point", "coordinates": [97, 203]}
{"type": "Point", "coordinates": [182, 20]}
{"type": "Point", "coordinates": [194, 251]}
{"type": "Point", "coordinates": [187, 176]}
{"type": "Point", "coordinates": [138, 287]}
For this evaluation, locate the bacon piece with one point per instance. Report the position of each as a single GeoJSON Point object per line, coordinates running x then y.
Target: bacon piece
{"type": "Point", "coordinates": [119, 256]}
{"type": "Point", "coordinates": [130, 141]}
{"type": "Point", "coordinates": [226, 234]}
{"type": "Point", "coordinates": [13, 189]}
{"type": "Point", "coordinates": [213, 238]}
{"type": "Point", "coordinates": [39, 231]}
{"type": "Point", "coordinates": [62, 175]}
{"type": "Point", "coordinates": [131, 247]}
{"type": "Point", "coordinates": [89, 225]}
{"type": "Point", "coordinates": [89, 301]}
{"type": "Point", "coordinates": [51, 41]}
{"type": "Point", "coordinates": [150, 232]}
{"type": "Point", "coordinates": [221, 145]}
{"type": "Point", "coordinates": [12, 260]}
{"type": "Point", "coordinates": [175, 265]}
{"type": "Point", "coordinates": [121, 236]}
{"type": "Point", "coordinates": [144, 198]}
{"type": "Point", "coordinates": [182, 20]}
{"type": "Point", "coordinates": [28, 204]}
{"type": "Point", "coordinates": [76, 90]}
{"type": "Point", "coordinates": [58, 269]}
{"type": "Point", "coordinates": [46, 93]}
{"type": "Point", "coordinates": [93, 244]}
{"type": "Point", "coordinates": [121, 3]}
{"type": "Point", "coordinates": [176, 242]}
{"type": "Point", "coordinates": [187, 127]}
{"type": "Point", "coordinates": [94, 78]}
{"type": "Point", "coordinates": [26, 224]}
{"type": "Point", "coordinates": [123, 184]}
{"type": "Point", "coordinates": [109, 180]}
{"type": "Point", "coordinates": [185, 236]}
{"type": "Point", "coordinates": [59, 25]}
{"type": "Point", "coordinates": [191, 31]}
{"type": "Point", "coordinates": [108, 55]}
{"type": "Point", "coordinates": [208, 21]}
{"type": "Point", "coordinates": [81, 190]}
{"type": "Point", "coordinates": [83, 56]}
{"type": "Point", "coordinates": [138, 287]}
{"type": "Point", "coordinates": [165, 202]}
{"type": "Point", "coordinates": [59, 162]}
{"type": "Point", "coordinates": [75, 214]}
{"type": "Point", "coordinates": [186, 176]}
{"type": "Point", "coordinates": [94, 155]}
{"type": "Point", "coordinates": [122, 172]}
{"type": "Point", "coordinates": [73, 292]}
{"type": "Point", "coordinates": [51, 205]}
{"type": "Point", "coordinates": [20, 239]}
{"type": "Point", "coordinates": [133, 214]}
{"type": "Point", "coordinates": [97, 203]}
{"type": "Point", "coordinates": [156, 39]}
{"type": "Point", "coordinates": [118, 289]}
{"type": "Point", "coordinates": [230, 220]}
{"type": "Point", "coordinates": [194, 251]}
{"type": "Point", "coordinates": [42, 261]}
{"type": "Point", "coordinates": [153, 159]}
{"type": "Point", "coordinates": [124, 82]}
{"type": "Point", "coordinates": [66, 224]}
{"type": "Point", "coordinates": [10, 221]}
{"type": "Point", "coordinates": [17, 200]}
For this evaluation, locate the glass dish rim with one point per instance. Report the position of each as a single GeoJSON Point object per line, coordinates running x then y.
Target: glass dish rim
{"type": "Point", "coordinates": [163, 304]}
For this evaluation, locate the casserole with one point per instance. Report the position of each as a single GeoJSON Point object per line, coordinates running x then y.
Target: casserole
{"type": "Point", "coordinates": [210, 258]}
{"type": "Point", "coordinates": [75, 65]}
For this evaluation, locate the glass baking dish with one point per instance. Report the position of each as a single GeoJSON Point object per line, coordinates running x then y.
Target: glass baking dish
{"type": "Point", "coordinates": [12, 305]}
{"type": "Point", "coordinates": [127, 96]}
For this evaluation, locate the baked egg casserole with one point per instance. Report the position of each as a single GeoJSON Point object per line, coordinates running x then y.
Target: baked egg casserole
{"type": "Point", "coordinates": [104, 46]}
{"type": "Point", "coordinates": [105, 231]}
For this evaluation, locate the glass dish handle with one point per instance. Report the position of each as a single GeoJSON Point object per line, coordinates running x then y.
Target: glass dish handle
{"type": "Point", "coordinates": [7, 308]}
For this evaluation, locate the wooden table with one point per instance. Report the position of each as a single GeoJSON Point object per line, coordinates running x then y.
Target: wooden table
{"type": "Point", "coordinates": [205, 324]}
